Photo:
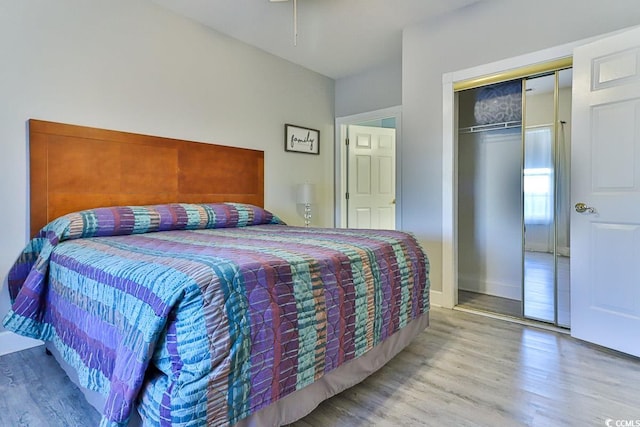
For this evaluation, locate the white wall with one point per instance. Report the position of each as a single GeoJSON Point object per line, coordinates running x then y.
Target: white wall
{"type": "Point", "coordinates": [482, 33]}
{"type": "Point", "coordinates": [490, 213]}
{"type": "Point", "coordinates": [374, 89]}
{"type": "Point", "coordinates": [131, 65]}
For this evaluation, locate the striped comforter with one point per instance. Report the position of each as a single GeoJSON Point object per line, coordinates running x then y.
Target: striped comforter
{"type": "Point", "coordinates": [202, 314]}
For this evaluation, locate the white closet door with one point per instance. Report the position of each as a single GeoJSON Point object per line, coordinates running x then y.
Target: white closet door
{"type": "Point", "coordinates": [605, 236]}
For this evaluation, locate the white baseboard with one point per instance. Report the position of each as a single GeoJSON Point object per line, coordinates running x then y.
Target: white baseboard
{"type": "Point", "coordinates": [435, 298]}
{"type": "Point", "coordinates": [504, 290]}
{"type": "Point", "coordinates": [10, 342]}
{"type": "Point", "coordinates": [537, 247]}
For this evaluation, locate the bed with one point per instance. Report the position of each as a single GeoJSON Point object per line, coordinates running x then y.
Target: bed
{"type": "Point", "coordinates": [208, 313]}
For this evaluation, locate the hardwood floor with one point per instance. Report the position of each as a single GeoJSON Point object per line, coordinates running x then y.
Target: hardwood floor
{"type": "Point", "coordinates": [464, 370]}
{"type": "Point", "coordinates": [489, 303]}
{"type": "Point", "coordinates": [35, 391]}
{"type": "Point", "coordinates": [539, 289]}
{"type": "Point", "coordinates": [470, 370]}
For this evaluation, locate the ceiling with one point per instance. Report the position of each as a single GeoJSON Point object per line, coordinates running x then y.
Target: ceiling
{"type": "Point", "coordinates": [336, 38]}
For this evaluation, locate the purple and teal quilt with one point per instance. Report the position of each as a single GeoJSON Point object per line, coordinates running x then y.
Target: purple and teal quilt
{"type": "Point", "coordinates": [200, 315]}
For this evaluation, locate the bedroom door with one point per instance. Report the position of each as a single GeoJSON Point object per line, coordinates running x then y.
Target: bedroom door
{"type": "Point", "coordinates": [605, 227]}
{"type": "Point", "coordinates": [371, 177]}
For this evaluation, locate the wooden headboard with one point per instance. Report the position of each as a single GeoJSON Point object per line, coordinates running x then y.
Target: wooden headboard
{"type": "Point", "coordinates": [75, 167]}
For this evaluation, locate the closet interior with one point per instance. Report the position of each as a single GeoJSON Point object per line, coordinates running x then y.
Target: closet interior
{"type": "Point", "coordinates": [514, 197]}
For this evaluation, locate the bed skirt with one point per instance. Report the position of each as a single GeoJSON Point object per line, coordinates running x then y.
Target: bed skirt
{"type": "Point", "coordinates": [302, 402]}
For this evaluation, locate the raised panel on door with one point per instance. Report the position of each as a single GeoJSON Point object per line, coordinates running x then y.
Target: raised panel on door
{"type": "Point", "coordinates": [371, 174]}
{"type": "Point", "coordinates": [363, 175]}
{"type": "Point", "coordinates": [363, 218]}
{"type": "Point", "coordinates": [614, 152]}
{"type": "Point", "coordinates": [385, 170]}
{"type": "Point", "coordinates": [616, 248]}
{"type": "Point", "coordinates": [386, 217]}
{"type": "Point", "coordinates": [605, 236]}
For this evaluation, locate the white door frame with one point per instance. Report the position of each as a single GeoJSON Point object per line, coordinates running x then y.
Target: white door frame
{"type": "Point", "coordinates": [341, 159]}
{"type": "Point", "coordinates": [449, 296]}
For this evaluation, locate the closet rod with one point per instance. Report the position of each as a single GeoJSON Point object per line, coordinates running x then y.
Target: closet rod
{"type": "Point", "coordinates": [543, 125]}
{"type": "Point", "coordinates": [491, 126]}
{"type": "Point", "coordinates": [503, 125]}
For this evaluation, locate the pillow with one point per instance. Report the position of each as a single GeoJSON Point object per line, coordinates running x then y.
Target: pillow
{"type": "Point", "coordinates": [123, 220]}
{"type": "Point", "coordinates": [120, 220]}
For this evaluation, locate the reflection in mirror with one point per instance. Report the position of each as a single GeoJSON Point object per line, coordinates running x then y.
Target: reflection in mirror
{"type": "Point", "coordinates": [563, 198]}
{"type": "Point", "coordinates": [538, 199]}
{"type": "Point", "coordinates": [546, 198]}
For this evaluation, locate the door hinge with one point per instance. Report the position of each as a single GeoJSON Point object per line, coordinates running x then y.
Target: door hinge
{"type": "Point", "coordinates": [347, 141]}
{"type": "Point", "coordinates": [347, 196]}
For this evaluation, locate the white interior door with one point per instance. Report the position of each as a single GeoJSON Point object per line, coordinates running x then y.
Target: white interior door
{"type": "Point", "coordinates": [605, 237]}
{"type": "Point", "coordinates": [371, 177]}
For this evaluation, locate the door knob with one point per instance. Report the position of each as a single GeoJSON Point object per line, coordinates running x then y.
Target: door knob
{"type": "Point", "coordinates": [582, 208]}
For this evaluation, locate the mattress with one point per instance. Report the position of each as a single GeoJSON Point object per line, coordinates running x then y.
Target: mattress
{"type": "Point", "coordinates": [206, 314]}
{"type": "Point", "coordinates": [302, 402]}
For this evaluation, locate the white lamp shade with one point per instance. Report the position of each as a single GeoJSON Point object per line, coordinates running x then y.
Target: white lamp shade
{"type": "Point", "coordinates": [306, 193]}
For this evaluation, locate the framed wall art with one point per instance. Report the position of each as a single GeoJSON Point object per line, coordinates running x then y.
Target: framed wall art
{"type": "Point", "coordinates": [301, 140]}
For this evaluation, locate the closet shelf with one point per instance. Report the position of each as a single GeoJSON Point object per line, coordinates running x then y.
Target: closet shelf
{"type": "Point", "coordinates": [491, 126]}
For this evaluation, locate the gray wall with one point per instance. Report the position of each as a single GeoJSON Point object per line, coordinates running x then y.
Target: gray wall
{"type": "Point", "coordinates": [374, 89]}
{"type": "Point", "coordinates": [131, 65]}
{"type": "Point", "coordinates": [482, 33]}
{"type": "Point", "coordinates": [490, 213]}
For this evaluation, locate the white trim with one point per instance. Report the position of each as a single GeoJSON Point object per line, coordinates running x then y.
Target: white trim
{"type": "Point", "coordinates": [10, 342]}
{"type": "Point", "coordinates": [488, 287]}
{"type": "Point", "coordinates": [449, 152]}
{"type": "Point", "coordinates": [524, 322]}
{"type": "Point", "coordinates": [449, 196]}
{"type": "Point", "coordinates": [435, 298]}
{"type": "Point", "coordinates": [340, 159]}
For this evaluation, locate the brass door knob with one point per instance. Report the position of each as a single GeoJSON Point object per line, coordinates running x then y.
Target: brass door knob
{"type": "Point", "coordinates": [582, 208]}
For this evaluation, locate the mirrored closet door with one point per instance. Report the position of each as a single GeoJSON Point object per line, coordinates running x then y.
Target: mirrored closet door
{"type": "Point", "coordinates": [546, 201]}
{"type": "Point", "coordinates": [513, 197]}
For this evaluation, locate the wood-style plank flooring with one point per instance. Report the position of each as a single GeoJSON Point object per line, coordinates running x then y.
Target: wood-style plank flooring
{"type": "Point", "coordinates": [539, 290]}
{"type": "Point", "coordinates": [489, 303]}
{"type": "Point", "coordinates": [35, 391]}
{"type": "Point", "coordinates": [464, 370]}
